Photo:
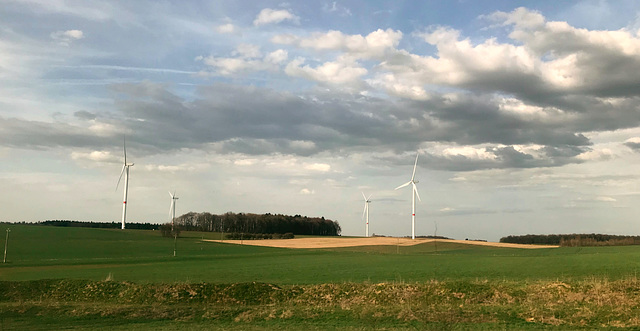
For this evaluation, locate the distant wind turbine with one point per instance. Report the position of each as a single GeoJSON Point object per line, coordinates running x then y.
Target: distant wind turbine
{"type": "Point", "coordinates": [172, 209]}
{"type": "Point", "coordinates": [366, 211]}
{"type": "Point", "coordinates": [125, 172]}
{"type": "Point", "coordinates": [172, 214]}
{"type": "Point", "coordinates": [414, 193]}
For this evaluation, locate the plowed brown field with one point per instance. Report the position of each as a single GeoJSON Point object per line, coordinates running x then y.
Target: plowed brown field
{"type": "Point", "coordinates": [331, 242]}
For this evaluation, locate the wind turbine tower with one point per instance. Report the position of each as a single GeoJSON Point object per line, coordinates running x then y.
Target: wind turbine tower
{"type": "Point", "coordinates": [125, 172]}
{"type": "Point", "coordinates": [172, 210]}
{"type": "Point", "coordinates": [365, 212]}
{"type": "Point", "coordinates": [414, 193]}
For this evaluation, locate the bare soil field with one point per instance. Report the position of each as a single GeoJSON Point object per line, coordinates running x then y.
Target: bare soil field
{"type": "Point", "coordinates": [332, 242]}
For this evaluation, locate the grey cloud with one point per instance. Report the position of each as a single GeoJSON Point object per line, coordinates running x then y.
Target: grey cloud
{"type": "Point", "coordinates": [41, 135]}
{"type": "Point", "coordinates": [85, 115]}
{"type": "Point", "coordinates": [505, 157]}
{"type": "Point", "coordinates": [462, 212]}
{"type": "Point", "coordinates": [261, 121]}
{"type": "Point", "coordinates": [633, 145]}
{"type": "Point", "coordinates": [477, 119]}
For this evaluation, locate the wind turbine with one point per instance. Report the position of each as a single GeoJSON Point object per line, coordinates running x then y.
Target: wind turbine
{"type": "Point", "coordinates": [172, 213]}
{"type": "Point", "coordinates": [125, 172]}
{"type": "Point", "coordinates": [366, 211]}
{"type": "Point", "coordinates": [172, 210]}
{"type": "Point", "coordinates": [414, 193]}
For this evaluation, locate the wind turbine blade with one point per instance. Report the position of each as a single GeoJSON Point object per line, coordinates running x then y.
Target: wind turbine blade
{"type": "Point", "coordinates": [171, 195]}
{"type": "Point", "coordinates": [403, 185]}
{"type": "Point", "coordinates": [365, 210]}
{"type": "Point", "coordinates": [121, 173]}
{"type": "Point", "coordinates": [370, 195]}
{"type": "Point", "coordinates": [414, 167]}
{"type": "Point", "coordinates": [415, 189]}
{"type": "Point", "coordinates": [124, 148]}
{"type": "Point", "coordinates": [365, 198]}
{"type": "Point", "coordinates": [171, 210]}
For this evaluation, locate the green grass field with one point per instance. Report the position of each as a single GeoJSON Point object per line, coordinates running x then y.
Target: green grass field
{"type": "Point", "coordinates": [37, 252]}
{"type": "Point", "coordinates": [144, 257]}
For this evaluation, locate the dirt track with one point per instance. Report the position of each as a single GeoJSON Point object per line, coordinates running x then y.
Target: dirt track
{"type": "Point", "coordinates": [331, 242]}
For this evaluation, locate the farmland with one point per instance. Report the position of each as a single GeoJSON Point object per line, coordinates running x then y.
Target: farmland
{"type": "Point", "coordinates": [496, 287]}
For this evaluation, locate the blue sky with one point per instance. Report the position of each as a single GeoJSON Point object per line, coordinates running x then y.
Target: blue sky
{"type": "Point", "coordinates": [525, 115]}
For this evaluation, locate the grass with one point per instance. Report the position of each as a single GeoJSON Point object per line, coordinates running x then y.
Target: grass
{"type": "Point", "coordinates": [37, 252]}
{"type": "Point", "coordinates": [458, 287]}
{"type": "Point", "coordinates": [456, 305]}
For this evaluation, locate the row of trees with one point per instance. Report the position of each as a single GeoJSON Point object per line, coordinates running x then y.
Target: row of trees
{"type": "Point", "coordinates": [592, 239]}
{"type": "Point", "coordinates": [255, 223]}
{"type": "Point", "coordinates": [258, 236]}
{"type": "Point", "coordinates": [102, 225]}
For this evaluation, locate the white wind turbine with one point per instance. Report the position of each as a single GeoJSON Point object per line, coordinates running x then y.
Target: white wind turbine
{"type": "Point", "coordinates": [172, 214]}
{"type": "Point", "coordinates": [366, 212]}
{"type": "Point", "coordinates": [414, 193]}
{"type": "Point", "coordinates": [125, 171]}
{"type": "Point", "coordinates": [172, 209]}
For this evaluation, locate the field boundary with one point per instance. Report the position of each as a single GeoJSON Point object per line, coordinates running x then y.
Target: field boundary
{"type": "Point", "coordinates": [335, 242]}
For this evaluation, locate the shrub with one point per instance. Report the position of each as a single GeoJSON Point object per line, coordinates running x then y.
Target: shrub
{"type": "Point", "coordinates": [165, 230]}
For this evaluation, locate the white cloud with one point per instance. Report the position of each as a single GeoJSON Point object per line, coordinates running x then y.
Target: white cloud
{"type": "Point", "coordinates": [469, 152]}
{"type": "Point", "coordinates": [227, 28]}
{"type": "Point", "coordinates": [65, 38]}
{"type": "Point", "coordinates": [374, 45]}
{"type": "Point", "coordinates": [546, 57]}
{"type": "Point", "coordinates": [272, 16]}
{"type": "Point", "coordinates": [302, 145]}
{"type": "Point", "coordinates": [230, 66]}
{"type": "Point", "coordinates": [277, 57]}
{"type": "Point", "coordinates": [460, 61]}
{"type": "Point", "coordinates": [396, 86]}
{"type": "Point", "coordinates": [513, 106]}
{"type": "Point", "coordinates": [247, 58]}
{"type": "Point", "coordinates": [320, 167]}
{"type": "Point", "coordinates": [633, 140]}
{"type": "Point", "coordinates": [306, 191]}
{"type": "Point", "coordinates": [633, 143]}
{"type": "Point", "coordinates": [247, 51]}
{"type": "Point", "coordinates": [521, 17]}
{"type": "Point", "coordinates": [596, 155]}
{"type": "Point", "coordinates": [99, 156]}
{"type": "Point", "coordinates": [245, 162]}
{"type": "Point", "coordinates": [575, 58]}
{"type": "Point", "coordinates": [180, 168]}
{"type": "Point", "coordinates": [104, 129]}
{"type": "Point", "coordinates": [347, 73]}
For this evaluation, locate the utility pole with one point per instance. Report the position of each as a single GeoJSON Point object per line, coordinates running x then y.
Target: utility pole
{"type": "Point", "coordinates": [6, 243]}
{"type": "Point", "coordinates": [175, 242]}
{"type": "Point", "coordinates": [435, 235]}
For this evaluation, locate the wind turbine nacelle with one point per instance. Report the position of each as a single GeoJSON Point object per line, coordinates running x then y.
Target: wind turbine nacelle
{"type": "Point", "coordinates": [416, 181]}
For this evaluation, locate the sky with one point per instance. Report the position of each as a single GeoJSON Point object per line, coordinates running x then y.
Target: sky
{"type": "Point", "coordinates": [525, 115]}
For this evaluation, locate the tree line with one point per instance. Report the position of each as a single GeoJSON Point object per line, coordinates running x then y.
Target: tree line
{"type": "Point", "coordinates": [256, 223]}
{"type": "Point", "coordinates": [91, 224]}
{"type": "Point", "coordinates": [593, 239]}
